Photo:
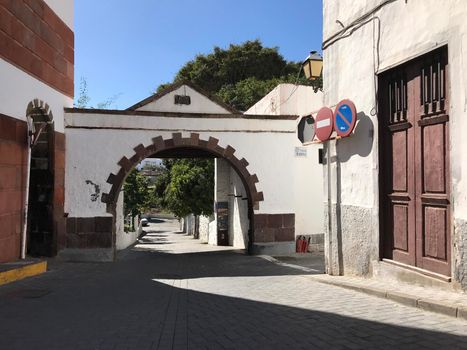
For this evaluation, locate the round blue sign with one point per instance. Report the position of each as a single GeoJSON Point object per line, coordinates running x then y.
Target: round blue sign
{"type": "Point", "coordinates": [345, 118]}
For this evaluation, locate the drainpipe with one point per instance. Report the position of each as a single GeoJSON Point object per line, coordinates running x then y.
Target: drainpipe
{"type": "Point", "coordinates": [330, 248]}
{"type": "Point", "coordinates": [26, 194]}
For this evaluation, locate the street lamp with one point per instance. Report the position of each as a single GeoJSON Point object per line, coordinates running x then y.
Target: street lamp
{"type": "Point", "coordinates": [313, 66]}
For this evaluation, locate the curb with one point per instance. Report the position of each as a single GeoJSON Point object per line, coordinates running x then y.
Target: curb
{"type": "Point", "coordinates": [25, 270]}
{"type": "Point", "coordinates": [448, 309]}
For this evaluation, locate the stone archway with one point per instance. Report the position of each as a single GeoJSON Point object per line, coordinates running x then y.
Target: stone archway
{"type": "Point", "coordinates": [178, 142]}
{"type": "Point", "coordinates": [42, 210]}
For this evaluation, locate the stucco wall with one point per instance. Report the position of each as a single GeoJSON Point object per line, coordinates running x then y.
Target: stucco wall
{"type": "Point", "coordinates": [204, 228]}
{"type": "Point", "coordinates": [238, 212]}
{"type": "Point", "coordinates": [288, 99]}
{"type": "Point", "coordinates": [92, 154]}
{"type": "Point", "coordinates": [22, 89]}
{"type": "Point", "coordinates": [198, 103]}
{"type": "Point", "coordinates": [307, 187]}
{"type": "Point", "coordinates": [404, 30]}
{"type": "Point", "coordinates": [64, 9]}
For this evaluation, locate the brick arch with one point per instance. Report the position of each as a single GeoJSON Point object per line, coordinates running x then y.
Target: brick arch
{"type": "Point", "coordinates": [39, 104]}
{"type": "Point", "coordinates": [177, 141]}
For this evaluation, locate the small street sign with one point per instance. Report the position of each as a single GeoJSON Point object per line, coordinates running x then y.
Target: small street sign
{"type": "Point", "coordinates": [345, 118]}
{"type": "Point", "coordinates": [306, 129]}
{"type": "Point", "coordinates": [300, 152]}
{"type": "Point", "coordinates": [324, 123]}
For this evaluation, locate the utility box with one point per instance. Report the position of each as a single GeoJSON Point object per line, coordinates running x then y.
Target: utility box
{"type": "Point", "coordinates": [222, 212]}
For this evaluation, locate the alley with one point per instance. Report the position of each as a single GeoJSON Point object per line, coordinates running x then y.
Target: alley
{"type": "Point", "coordinates": [170, 291]}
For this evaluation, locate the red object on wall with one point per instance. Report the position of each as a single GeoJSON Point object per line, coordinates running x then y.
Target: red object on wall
{"type": "Point", "coordinates": [324, 123]}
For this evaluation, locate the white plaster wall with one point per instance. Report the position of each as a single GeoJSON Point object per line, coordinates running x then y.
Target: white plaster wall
{"type": "Point", "coordinates": [408, 29]}
{"type": "Point", "coordinates": [238, 212]}
{"type": "Point", "coordinates": [212, 238]}
{"type": "Point", "coordinates": [92, 154]}
{"type": "Point", "coordinates": [64, 9]}
{"type": "Point", "coordinates": [289, 99]}
{"type": "Point", "coordinates": [353, 77]}
{"type": "Point", "coordinates": [307, 184]}
{"type": "Point", "coordinates": [22, 89]}
{"type": "Point", "coordinates": [124, 239]}
{"type": "Point", "coordinates": [204, 228]}
{"type": "Point", "coordinates": [199, 103]}
{"type": "Point", "coordinates": [308, 192]}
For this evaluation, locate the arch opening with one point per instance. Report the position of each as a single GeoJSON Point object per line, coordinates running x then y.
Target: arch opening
{"type": "Point", "coordinates": [179, 147]}
{"type": "Point", "coordinates": [40, 235]}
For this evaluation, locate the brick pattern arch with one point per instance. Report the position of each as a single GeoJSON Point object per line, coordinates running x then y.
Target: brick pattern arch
{"type": "Point", "coordinates": [177, 141]}
{"type": "Point", "coordinates": [39, 104]}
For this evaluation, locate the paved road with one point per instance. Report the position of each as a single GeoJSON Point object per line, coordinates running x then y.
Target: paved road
{"type": "Point", "coordinates": [172, 292]}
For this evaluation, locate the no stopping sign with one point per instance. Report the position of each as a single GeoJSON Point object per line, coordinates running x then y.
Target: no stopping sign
{"type": "Point", "coordinates": [324, 123]}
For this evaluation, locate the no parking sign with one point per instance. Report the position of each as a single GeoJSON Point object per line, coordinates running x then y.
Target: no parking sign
{"type": "Point", "coordinates": [345, 118]}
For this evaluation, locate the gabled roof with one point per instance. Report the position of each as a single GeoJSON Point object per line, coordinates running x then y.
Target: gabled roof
{"type": "Point", "coordinates": [214, 99]}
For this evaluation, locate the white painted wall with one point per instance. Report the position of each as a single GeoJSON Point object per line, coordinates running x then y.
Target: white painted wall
{"type": "Point", "coordinates": [64, 9]}
{"type": "Point", "coordinates": [199, 103]}
{"type": "Point", "coordinates": [289, 99]}
{"type": "Point", "coordinates": [124, 239]}
{"type": "Point", "coordinates": [238, 212]}
{"type": "Point", "coordinates": [407, 29]}
{"type": "Point", "coordinates": [204, 222]}
{"type": "Point", "coordinates": [22, 89]}
{"type": "Point", "coordinates": [307, 185]}
{"type": "Point", "coordinates": [94, 154]}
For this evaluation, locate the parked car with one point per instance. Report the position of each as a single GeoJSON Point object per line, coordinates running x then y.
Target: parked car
{"type": "Point", "coordinates": [144, 222]}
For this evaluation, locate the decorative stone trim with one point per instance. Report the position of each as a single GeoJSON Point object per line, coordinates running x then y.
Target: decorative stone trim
{"type": "Point", "coordinates": [274, 227]}
{"type": "Point", "coordinates": [178, 141]}
{"type": "Point", "coordinates": [39, 104]}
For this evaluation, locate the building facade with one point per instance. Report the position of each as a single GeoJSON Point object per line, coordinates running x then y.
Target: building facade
{"type": "Point", "coordinates": [396, 190]}
{"type": "Point", "coordinates": [36, 68]}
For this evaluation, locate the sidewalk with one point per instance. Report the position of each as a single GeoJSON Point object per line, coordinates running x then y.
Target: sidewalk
{"type": "Point", "coordinates": [451, 303]}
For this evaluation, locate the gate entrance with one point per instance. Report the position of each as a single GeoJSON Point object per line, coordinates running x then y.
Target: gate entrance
{"type": "Point", "coordinates": [103, 146]}
{"type": "Point", "coordinates": [415, 186]}
{"type": "Point", "coordinates": [41, 240]}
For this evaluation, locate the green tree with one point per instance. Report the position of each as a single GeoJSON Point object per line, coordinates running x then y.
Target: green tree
{"type": "Point", "coordinates": [187, 187]}
{"type": "Point", "coordinates": [136, 195]}
{"type": "Point", "coordinates": [241, 74]}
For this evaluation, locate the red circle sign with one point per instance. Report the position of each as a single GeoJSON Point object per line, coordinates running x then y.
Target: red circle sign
{"type": "Point", "coordinates": [324, 123]}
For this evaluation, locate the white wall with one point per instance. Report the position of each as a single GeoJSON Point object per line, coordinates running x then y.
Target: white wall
{"type": "Point", "coordinates": [22, 89]}
{"type": "Point", "coordinates": [307, 185]}
{"type": "Point", "coordinates": [238, 212]}
{"type": "Point", "coordinates": [204, 222]}
{"type": "Point", "coordinates": [199, 103]}
{"type": "Point", "coordinates": [289, 99]}
{"type": "Point", "coordinates": [124, 239]}
{"type": "Point", "coordinates": [407, 29]}
{"type": "Point", "coordinates": [94, 154]}
{"type": "Point", "coordinates": [64, 9]}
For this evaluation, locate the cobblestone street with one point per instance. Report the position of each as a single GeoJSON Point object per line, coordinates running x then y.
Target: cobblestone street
{"type": "Point", "coordinates": [170, 291]}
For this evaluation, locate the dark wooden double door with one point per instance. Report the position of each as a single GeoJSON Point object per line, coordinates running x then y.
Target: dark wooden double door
{"type": "Point", "coordinates": [414, 173]}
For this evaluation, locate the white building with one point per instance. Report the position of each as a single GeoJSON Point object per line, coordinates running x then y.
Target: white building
{"type": "Point", "coordinates": [398, 194]}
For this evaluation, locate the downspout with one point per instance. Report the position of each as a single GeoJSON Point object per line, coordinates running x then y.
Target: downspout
{"type": "Point", "coordinates": [26, 194]}
{"type": "Point", "coordinates": [330, 248]}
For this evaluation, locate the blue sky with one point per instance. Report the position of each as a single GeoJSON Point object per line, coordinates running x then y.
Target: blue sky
{"type": "Point", "coordinates": [126, 48]}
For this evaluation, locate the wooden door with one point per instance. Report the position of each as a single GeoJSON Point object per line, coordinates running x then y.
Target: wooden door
{"type": "Point", "coordinates": [433, 238]}
{"type": "Point", "coordinates": [414, 200]}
